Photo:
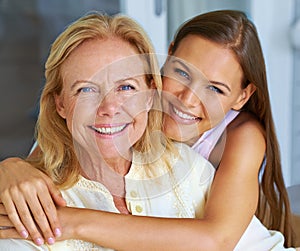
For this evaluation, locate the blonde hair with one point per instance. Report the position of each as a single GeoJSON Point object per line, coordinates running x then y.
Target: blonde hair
{"type": "Point", "coordinates": [57, 157]}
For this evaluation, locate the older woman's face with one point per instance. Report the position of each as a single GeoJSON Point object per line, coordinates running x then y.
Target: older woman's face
{"type": "Point", "coordinates": [105, 98]}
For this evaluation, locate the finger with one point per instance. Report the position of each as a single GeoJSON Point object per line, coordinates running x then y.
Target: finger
{"type": "Point", "coordinates": [7, 230]}
{"type": "Point", "coordinates": [26, 217]}
{"type": "Point", "coordinates": [8, 208]}
{"type": "Point", "coordinates": [20, 216]}
{"type": "Point", "coordinates": [38, 203]}
{"type": "Point", "coordinates": [51, 214]}
{"type": "Point", "coordinates": [9, 233]}
{"type": "Point", "coordinates": [44, 211]}
{"type": "Point", "coordinates": [2, 209]}
{"type": "Point", "coordinates": [5, 221]}
{"type": "Point", "coordinates": [55, 192]}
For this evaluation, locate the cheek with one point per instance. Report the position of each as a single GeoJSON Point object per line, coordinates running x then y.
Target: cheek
{"type": "Point", "coordinates": [137, 104]}
{"type": "Point", "coordinates": [170, 127]}
{"type": "Point", "coordinates": [180, 132]}
{"type": "Point", "coordinates": [214, 110]}
{"type": "Point", "coordinates": [169, 85]}
{"type": "Point", "coordinates": [80, 112]}
{"type": "Point", "coordinates": [69, 115]}
{"type": "Point", "coordinates": [138, 128]}
{"type": "Point", "coordinates": [213, 107]}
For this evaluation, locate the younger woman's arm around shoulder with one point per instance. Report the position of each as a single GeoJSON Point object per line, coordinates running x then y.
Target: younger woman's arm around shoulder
{"type": "Point", "coordinates": [230, 207]}
{"type": "Point", "coordinates": [234, 193]}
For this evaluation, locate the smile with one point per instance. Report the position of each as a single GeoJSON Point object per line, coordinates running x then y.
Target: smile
{"type": "Point", "coordinates": [183, 115]}
{"type": "Point", "coordinates": [109, 130]}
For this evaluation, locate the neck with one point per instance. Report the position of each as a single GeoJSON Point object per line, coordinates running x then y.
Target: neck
{"type": "Point", "coordinates": [110, 171]}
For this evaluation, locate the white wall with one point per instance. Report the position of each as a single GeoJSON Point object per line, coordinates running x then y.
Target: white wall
{"type": "Point", "coordinates": [273, 23]}
{"type": "Point", "coordinates": [152, 15]}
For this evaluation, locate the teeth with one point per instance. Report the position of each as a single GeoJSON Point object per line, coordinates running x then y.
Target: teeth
{"type": "Point", "coordinates": [109, 130]}
{"type": "Point", "coordinates": [183, 115]}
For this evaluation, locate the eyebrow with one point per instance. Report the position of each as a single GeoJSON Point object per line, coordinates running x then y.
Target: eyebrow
{"type": "Point", "coordinates": [182, 64]}
{"type": "Point", "coordinates": [81, 81]}
{"type": "Point", "coordinates": [134, 77]}
{"type": "Point", "coordinates": [222, 84]}
{"type": "Point", "coordinates": [73, 86]}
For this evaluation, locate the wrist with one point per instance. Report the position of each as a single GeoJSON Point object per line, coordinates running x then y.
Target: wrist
{"type": "Point", "coordinates": [75, 222]}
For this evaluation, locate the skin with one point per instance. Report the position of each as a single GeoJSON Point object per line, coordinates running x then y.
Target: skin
{"type": "Point", "coordinates": [221, 226]}
{"type": "Point", "coordinates": [105, 103]}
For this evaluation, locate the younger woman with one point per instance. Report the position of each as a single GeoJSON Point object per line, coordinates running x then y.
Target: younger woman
{"type": "Point", "coordinates": [224, 47]}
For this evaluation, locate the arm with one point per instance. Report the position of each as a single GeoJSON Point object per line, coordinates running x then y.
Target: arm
{"type": "Point", "coordinates": [236, 180]}
{"type": "Point", "coordinates": [125, 232]}
{"type": "Point", "coordinates": [229, 209]}
{"type": "Point", "coordinates": [234, 194]}
{"type": "Point", "coordinates": [109, 229]}
{"type": "Point", "coordinates": [25, 190]}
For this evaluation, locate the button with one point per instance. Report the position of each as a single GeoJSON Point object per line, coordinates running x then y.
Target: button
{"type": "Point", "coordinates": [138, 208]}
{"type": "Point", "coordinates": [133, 194]}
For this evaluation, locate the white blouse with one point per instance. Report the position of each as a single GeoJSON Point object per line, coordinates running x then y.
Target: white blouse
{"type": "Point", "coordinates": [178, 192]}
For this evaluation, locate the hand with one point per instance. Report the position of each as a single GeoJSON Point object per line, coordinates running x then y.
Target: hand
{"type": "Point", "coordinates": [67, 215]}
{"type": "Point", "coordinates": [7, 229]}
{"type": "Point", "coordinates": [26, 192]}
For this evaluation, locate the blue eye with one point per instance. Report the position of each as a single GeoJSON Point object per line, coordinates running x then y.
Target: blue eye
{"type": "Point", "coordinates": [126, 87]}
{"type": "Point", "coordinates": [86, 89]}
{"type": "Point", "coordinates": [182, 73]}
{"type": "Point", "coordinates": [215, 89]}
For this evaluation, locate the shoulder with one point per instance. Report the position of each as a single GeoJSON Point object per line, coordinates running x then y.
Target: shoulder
{"type": "Point", "coordinates": [245, 132]}
{"type": "Point", "coordinates": [245, 123]}
{"type": "Point", "coordinates": [243, 141]}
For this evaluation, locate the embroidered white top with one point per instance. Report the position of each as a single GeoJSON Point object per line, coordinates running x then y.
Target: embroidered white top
{"type": "Point", "coordinates": [164, 192]}
{"type": "Point", "coordinates": [179, 192]}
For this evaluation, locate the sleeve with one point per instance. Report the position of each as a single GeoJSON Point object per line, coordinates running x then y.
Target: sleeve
{"type": "Point", "coordinates": [258, 237]}
{"type": "Point", "coordinates": [20, 245]}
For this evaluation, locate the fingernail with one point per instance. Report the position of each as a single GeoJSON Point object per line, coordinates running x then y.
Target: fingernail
{"type": "Point", "coordinates": [50, 240]}
{"type": "Point", "coordinates": [24, 234]}
{"type": "Point", "coordinates": [57, 232]}
{"type": "Point", "coordinates": [39, 241]}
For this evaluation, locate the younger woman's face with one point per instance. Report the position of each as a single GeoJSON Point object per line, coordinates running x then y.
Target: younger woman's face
{"type": "Point", "coordinates": [201, 83]}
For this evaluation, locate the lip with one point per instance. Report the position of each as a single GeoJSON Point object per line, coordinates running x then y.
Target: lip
{"type": "Point", "coordinates": [182, 116]}
{"type": "Point", "coordinates": [109, 130]}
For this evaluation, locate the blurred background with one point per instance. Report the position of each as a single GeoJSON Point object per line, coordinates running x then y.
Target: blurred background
{"type": "Point", "coordinates": [28, 27]}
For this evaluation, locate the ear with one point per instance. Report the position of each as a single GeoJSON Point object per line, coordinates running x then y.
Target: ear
{"type": "Point", "coordinates": [244, 97]}
{"type": "Point", "coordinates": [170, 48]}
{"type": "Point", "coordinates": [150, 98]}
{"type": "Point", "coordinates": [162, 72]}
{"type": "Point", "coordinates": [60, 106]}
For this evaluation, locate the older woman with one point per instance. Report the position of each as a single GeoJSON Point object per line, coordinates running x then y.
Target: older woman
{"type": "Point", "coordinates": [100, 125]}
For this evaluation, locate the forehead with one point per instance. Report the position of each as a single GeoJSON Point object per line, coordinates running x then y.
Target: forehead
{"type": "Point", "coordinates": [213, 60]}
{"type": "Point", "coordinates": [99, 57]}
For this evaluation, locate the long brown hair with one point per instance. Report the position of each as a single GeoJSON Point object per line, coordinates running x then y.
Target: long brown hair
{"type": "Point", "coordinates": [234, 31]}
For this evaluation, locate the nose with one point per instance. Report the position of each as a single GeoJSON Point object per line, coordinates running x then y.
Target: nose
{"type": "Point", "coordinates": [189, 97]}
{"type": "Point", "coordinates": [109, 105]}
